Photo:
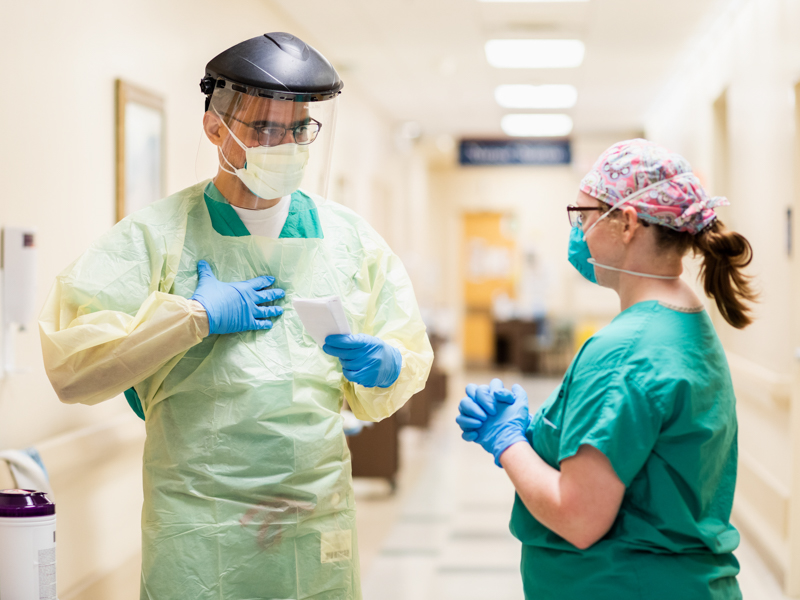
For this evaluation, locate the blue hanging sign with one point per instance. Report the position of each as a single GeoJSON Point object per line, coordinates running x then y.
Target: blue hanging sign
{"type": "Point", "coordinates": [515, 152]}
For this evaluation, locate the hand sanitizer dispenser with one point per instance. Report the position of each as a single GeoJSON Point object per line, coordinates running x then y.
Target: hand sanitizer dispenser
{"type": "Point", "coordinates": [19, 287]}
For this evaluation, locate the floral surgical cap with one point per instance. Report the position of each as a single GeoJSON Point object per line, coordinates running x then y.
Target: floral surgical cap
{"type": "Point", "coordinates": [658, 183]}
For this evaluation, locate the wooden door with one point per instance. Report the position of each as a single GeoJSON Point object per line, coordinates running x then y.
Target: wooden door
{"type": "Point", "coordinates": [488, 267]}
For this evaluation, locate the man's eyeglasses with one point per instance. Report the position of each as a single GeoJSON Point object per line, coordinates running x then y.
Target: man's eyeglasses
{"type": "Point", "coordinates": [576, 216]}
{"type": "Point", "coordinates": [272, 135]}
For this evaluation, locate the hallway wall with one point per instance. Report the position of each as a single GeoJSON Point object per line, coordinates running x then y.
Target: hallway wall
{"type": "Point", "coordinates": [384, 178]}
{"type": "Point", "coordinates": [60, 61]}
{"type": "Point", "coordinates": [731, 110]}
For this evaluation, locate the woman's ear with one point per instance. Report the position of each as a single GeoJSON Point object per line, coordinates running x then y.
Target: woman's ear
{"type": "Point", "coordinates": [212, 125]}
{"type": "Point", "coordinates": [630, 222]}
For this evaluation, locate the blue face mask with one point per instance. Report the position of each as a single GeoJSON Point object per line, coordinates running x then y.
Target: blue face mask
{"type": "Point", "coordinates": [581, 258]}
{"type": "Point", "coordinates": [579, 254]}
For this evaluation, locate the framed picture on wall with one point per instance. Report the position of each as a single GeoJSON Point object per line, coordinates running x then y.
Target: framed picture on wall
{"type": "Point", "coordinates": [140, 167]}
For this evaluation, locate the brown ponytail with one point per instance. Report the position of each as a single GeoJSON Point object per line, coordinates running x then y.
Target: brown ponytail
{"type": "Point", "coordinates": [725, 254]}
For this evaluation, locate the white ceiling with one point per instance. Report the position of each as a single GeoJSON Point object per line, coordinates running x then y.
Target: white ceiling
{"type": "Point", "coordinates": [423, 60]}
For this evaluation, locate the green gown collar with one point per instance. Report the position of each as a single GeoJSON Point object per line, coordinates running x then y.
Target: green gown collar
{"type": "Point", "coordinates": [223, 218]}
{"type": "Point", "coordinates": [301, 222]}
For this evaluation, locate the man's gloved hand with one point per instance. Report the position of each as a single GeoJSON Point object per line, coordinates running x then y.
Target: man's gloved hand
{"type": "Point", "coordinates": [480, 403]}
{"type": "Point", "coordinates": [234, 307]}
{"type": "Point", "coordinates": [499, 431]}
{"type": "Point", "coordinates": [366, 360]}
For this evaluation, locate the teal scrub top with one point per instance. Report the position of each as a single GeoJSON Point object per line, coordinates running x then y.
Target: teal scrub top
{"type": "Point", "coordinates": [652, 391]}
{"type": "Point", "coordinates": [301, 222]}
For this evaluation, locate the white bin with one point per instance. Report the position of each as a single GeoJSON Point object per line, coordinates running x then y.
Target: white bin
{"type": "Point", "coordinates": [27, 546]}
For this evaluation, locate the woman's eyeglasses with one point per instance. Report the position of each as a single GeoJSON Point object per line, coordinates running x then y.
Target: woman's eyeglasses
{"type": "Point", "coordinates": [576, 216]}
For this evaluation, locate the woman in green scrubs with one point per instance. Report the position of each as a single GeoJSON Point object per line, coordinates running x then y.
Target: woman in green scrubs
{"type": "Point", "coordinates": [625, 476]}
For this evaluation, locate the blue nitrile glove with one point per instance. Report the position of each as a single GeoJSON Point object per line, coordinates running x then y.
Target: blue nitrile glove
{"type": "Point", "coordinates": [234, 307]}
{"type": "Point", "coordinates": [366, 360]}
{"type": "Point", "coordinates": [505, 428]}
{"type": "Point", "coordinates": [479, 404]}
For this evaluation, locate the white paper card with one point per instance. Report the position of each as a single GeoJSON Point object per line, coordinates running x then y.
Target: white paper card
{"type": "Point", "coordinates": [322, 317]}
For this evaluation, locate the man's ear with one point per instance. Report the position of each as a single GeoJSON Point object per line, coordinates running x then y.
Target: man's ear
{"type": "Point", "coordinates": [212, 125]}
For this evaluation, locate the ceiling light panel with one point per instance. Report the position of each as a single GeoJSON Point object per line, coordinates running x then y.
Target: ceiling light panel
{"type": "Point", "coordinates": [534, 54]}
{"type": "Point", "coordinates": [536, 96]}
{"type": "Point", "coordinates": [538, 1]}
{"type": "Point", "coordinates": [555, 125]}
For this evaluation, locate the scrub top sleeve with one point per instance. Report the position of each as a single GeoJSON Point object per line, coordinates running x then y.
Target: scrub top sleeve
{"type": "Point", "coordinates": [394, 317]}
{"type": "Point", "coordinates": [605, 408]}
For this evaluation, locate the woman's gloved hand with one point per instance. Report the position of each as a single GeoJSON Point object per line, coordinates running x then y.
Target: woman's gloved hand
{"type": "Point", "coordinates": [234, 307]}
{"type": "Point", "coordinates": [499, 431]}
{"type": "Point", "coordinates": [366, 360]}
{"type": "Point", "coordinates": [480, 403]}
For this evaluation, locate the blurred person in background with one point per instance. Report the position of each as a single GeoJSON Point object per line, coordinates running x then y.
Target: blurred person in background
{"type": "Point", "coordinates": [625, 476]}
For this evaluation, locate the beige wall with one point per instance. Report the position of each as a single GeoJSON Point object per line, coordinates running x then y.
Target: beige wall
{"type": "Point", "coordinates": [60, 61]}
{"type": "Point", "coordinates": [385, 179]}
{"type": "Point", "coordinates": [751, 58]}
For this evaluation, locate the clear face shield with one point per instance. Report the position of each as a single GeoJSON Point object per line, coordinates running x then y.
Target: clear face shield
{"type": "Point", "coordinates": [274, 145]}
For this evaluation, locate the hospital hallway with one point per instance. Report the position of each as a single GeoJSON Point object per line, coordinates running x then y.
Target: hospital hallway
{"type": "Point", "coordinates": [249, 249]}
{"type": "Point", "coordinates": [444, 534]}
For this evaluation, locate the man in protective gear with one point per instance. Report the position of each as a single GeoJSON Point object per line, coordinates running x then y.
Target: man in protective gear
{"type": "Point", "coordinates": [185, 306]}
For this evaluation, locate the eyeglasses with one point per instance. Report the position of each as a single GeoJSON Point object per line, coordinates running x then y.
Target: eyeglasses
{"type": "Point", "coordinates": [272, 135]}
{"type": "Point", "coordinates": [576, 216]}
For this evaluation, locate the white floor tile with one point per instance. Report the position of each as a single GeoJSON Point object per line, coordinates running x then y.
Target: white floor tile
{"type": "Point", "coordinates": [399, 578]}
{"type": "Point", "coordinates": [478, 585]}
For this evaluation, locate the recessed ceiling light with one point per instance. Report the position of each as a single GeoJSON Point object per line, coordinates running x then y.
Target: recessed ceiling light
{"type": "Point", "coordinates": [536, 96]}
{"type": "Point", "coordinates": [533, 0]}
{"type": "Point", "coordinates": [537, 125]}
{"type": "Point", "coordinates": [534, 54]}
